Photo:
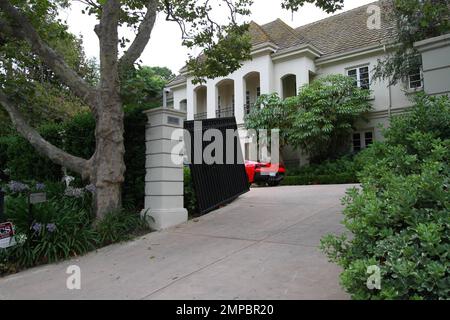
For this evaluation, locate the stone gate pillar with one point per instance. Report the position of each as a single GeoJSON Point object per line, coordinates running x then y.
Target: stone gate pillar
{"type": "Point", "coordinates": [164, 188]}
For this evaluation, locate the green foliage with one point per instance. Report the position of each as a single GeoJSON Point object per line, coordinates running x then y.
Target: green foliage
{"type": "Point", "coordinates": [144, 85]}
{"type": "Point", "coordinates": [340, 171]}
{"type": "Point", "coordinates": [431, 115]}
{"type": "Point", "coordinates": [133, 190]}
{"type": "Point", "coordinates": [399, 217]}
{"type": "Point", "coordinates": [27, 81]}
{"type": "Point", "coordinates": [76, 136]}
{"type": "Point", "coordinates": [60, 228]}
{"type": "Point", "coordinates": [329, 6]}
{"type": "Point", "coordinates": [271, 112]}
{"type": "Point", "coordinates": [326, 111]}
{"type": "Point", "coordinates": [71, 234]}
{"type": "Point", "coordinates": [190, 199]}
{"type": "Point", "coordinates": [416, 20]}
{"type": "Point", "coordinates": [224, 56]}
{"type": "Point", "coordinates": [319, 120]}
{"type": "Point", "coordinates": [119, 226]}
{"type": "Point", "coordinates": [323, 179]}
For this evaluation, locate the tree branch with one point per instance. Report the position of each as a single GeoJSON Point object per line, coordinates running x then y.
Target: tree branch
{"type": "Point", "coordinates": [107, 31]}
{"type": "Point", "coordinates": [21, 28]}
{"type": "Point", "coordinates": [143, 36]}
{"type": "Point", "coordinates": [58, 156]}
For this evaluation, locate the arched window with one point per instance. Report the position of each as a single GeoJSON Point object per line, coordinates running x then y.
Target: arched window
{"type": "Point", "coordinates": [252, 89]}
{"type": "Point", "coordinates": [289, 86]}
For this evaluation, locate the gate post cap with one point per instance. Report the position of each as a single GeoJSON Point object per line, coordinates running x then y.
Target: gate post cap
{"type": "Point", "coordinates": [159, 110]}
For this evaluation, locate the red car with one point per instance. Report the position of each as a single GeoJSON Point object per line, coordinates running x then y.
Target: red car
{"type": "Point", "coordinates": [264, 172]}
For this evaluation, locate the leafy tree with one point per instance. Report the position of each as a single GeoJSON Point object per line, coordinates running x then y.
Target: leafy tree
{"type": "Point", "coordinates": [31, 84]}
{"type": "Point", "coordinates": [415, 20]}
{"type": "Point", "coordinates": [224, 46]}
{"type": "Point", "coordinates": [318, 120]}
{"type": "Point", "coordinates": [271, 112]}
{"type": "Point", "coordinates": [399, 217]}
{"type": "Point", "coordinates": [327, 110]}
{"type": "Point", "coordinates": [144, 85]}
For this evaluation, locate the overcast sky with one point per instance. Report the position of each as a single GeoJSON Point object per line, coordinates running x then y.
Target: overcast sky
{"type": "Point", "coordinates": [165, 49]}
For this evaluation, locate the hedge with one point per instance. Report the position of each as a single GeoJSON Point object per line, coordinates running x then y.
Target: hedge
{"type": "Point", "coordinates": [399, 217]}
{"type": "Point", "coordinates": [319, 179]}
{"type": "Point", "coordinates": [77, 137]}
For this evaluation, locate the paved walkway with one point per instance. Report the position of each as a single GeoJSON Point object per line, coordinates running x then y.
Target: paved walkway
{"type": "Point", "coordinates": [262, 246]}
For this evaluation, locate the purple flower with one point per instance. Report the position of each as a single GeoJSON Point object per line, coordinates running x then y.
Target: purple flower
{"type": "Point", "coordinates": [36, 227]}
{"type": "Point", "coordinates": [16, 186]}
{"type": "Point", "coordinates": [40, 186]}
{"type": "Point", "coordinates": [51, 227]}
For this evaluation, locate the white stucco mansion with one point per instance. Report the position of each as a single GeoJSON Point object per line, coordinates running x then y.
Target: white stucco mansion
{"type": "Point", "coordinates": [284, 59]}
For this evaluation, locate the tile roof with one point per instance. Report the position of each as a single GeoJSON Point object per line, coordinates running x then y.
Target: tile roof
{"type": "Point", "coordinates": [348, 31]}
{"type": "Point", "coordinates": [179, 79]}
{"type": "Point", "coordinates": [282, 34]}
{"type": "Point", "coordinates": [257, 34]}
{"type": "Point", "coordinates": [339, 33]}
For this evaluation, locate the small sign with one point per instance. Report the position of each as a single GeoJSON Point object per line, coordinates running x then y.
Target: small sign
{"type": "Point", "coordinates": [36, 198]}
{"type": "Point", "coordinates": [173, 120]}
{"type": "Point", "coordinates": [6, 235]}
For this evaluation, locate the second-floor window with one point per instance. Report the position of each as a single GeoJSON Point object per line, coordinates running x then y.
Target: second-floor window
{"type": "Point", "coordinates": [361, 76]}
{"type": "Point", "coordinates": [415, 80]}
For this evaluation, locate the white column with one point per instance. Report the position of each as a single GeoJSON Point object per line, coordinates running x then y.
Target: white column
{"type": "Point", "coordinates": [211, 99]}
{"type": "Point", "coordinates": [190, 101]}
{"type": "Point", "coordinates": [239, 100]}
{"type": "Point", "coordinates": [164, 187]}
{"type": "Point", "coordinates": [302, 78]}
{"type": "Point", "coordinates": [267, 77]}
{"type": "Point", "coordinates": [165, 92]}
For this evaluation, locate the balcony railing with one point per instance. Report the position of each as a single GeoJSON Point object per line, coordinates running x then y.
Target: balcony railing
{"type": "Point", "coordinates": [201, 116]}
{"type": "Point", "coordinates": [247, 108]}
{"type": "Point", "coordinates": [225, 113]}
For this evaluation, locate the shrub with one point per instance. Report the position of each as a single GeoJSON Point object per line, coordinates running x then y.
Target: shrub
{"type": "Point", "coordinates": [340, 171]}
{"type": "Point", "coordinates": [57, 229]}
{"type": "Point", "coordinates": [60, 228]}
{"type": "Point", "coordinates": [119, 226]}
{"type": "Point", "coordinates": [190, 200]}
{"type": "Point", "coordinates": [341, 178]}
{"type": "Point", "coordinates": [399, 218]}
{"type": "Point", "coordinates": [319, 120]}
{"type": "Point", "coordinates": [4, 143]}
{"type": "Point", "coordinates": [77, 136]}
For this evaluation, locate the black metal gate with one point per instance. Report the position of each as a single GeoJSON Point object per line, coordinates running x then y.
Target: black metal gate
{"type": "Point", "coordinates": [217, 184]}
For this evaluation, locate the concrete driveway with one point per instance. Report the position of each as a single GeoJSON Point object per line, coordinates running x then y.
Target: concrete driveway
{"type": "Point", "coordinates": [262, 246]}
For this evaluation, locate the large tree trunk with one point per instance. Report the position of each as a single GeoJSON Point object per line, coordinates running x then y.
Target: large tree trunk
{"type": "Point", "coordinates": [108, 161]}
{"type": "Point", "coordinates": [106, 168]}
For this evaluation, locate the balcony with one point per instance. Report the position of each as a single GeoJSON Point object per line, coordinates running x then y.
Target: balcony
{"type": "Point", "coordinates": [225, 113]}
{"type": "Point", "coordinates": [201, 116]}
